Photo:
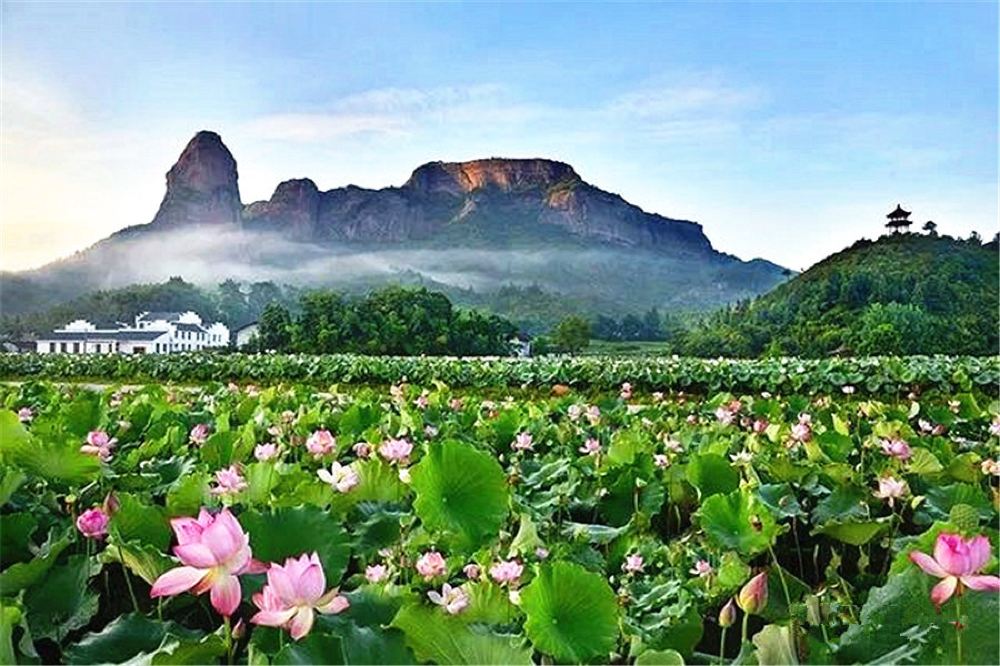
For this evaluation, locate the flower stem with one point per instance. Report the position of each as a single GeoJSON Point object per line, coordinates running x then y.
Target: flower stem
{"type": "Point", "coordinates": [128, 581]}
{"type": "Point", "coordinates": [722, 646]}
{"type": "Point", "coordinates": [958, 629]}
{"type": "Point", "coordinates": [781, 577]}
{"type": "Point", "coordinates": [746, 619]}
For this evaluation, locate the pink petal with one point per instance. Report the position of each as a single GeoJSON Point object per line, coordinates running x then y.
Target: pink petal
{"type": "Point", "coordinates": [255, 567]}
{"type": "Point", "coordinates": [928, 564]}
{"type": "Point", "coordinates": [226, 594]}
{"type": "Point", "coordinates": [176, 581]}
{"type": "Point", "coordinates": [220, 540]}
{"type": "Point", "coordinates": [196, 555]}
{"type": "Point", "coordinates": [310, 584]}
{"type": "Point", "coordinates": [951, 553]}
{"type": "Point", "coordinates": [982, 583]}
{"type": "Point", "coordinates": [979, 553]}
{"type": "Point", "coordinates": [188, 530]}
{"type": "Point", "coordinates": [273, 618]}
{"type": "Point", "coordinates": [336, 605]}
{"type": "Point", "coordinates": [301, 623]}
{"type": "Point", "coordinates": [279, 580]}
{"type": "Point", "coordinates": [942, 591]}
{"type": "Point", "coordinates": [232, 525]}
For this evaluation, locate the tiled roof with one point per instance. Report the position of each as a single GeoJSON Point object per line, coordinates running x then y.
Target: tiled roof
{"type": "Point", "coordinates": [96, 336]}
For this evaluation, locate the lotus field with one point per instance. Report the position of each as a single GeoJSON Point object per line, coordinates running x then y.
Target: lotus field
{"type": "Point", "coordinates": [414, 523]}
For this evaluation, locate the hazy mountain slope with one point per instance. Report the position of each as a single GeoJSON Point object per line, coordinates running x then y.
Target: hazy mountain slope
{"type": "Point", "coordinates": [904, 293]}
{"type": "Point", "coordinates": [470, 225]}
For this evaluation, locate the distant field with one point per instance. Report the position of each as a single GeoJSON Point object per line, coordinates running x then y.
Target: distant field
{"type": "Point", "coordinates": [610, 348]}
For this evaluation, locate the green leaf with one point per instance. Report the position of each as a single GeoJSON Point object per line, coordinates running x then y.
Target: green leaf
{"type": "Point", "coordinates": [855, 534]}
{"type": "Point", "coordinates": [10, 617]}
{"type": "Point", "coordinates": [290, 532]}
{"type": "Point", "coordinates": [217, 451]}
{"type": "Point", "coordinates": [660, 658]}
{"type": "Point", "coordinates": [775, 646]}
{"type": "Point", "coordinates": [61, 603]}
{"type": "Point", "coordinates": [125, 637]}
{"type": "Point", "coordinates": [526, 540]}
{"type": "Point", "coordinates": [24, 574]}
{"type": "Point", "coordinates": [572, 613]}
{"type": "Point", "coordinates": [738, 521]}
{"type": "Point", "coordinates": [843, 504]}
{"type": "Point", "coordinates": [15, 536]}
{"type": "Point", "coordinates": [175, 651]}
{"type": "Point", "coordinates": [57, 460]}
{"type": "Point", "coordinates": [137, 521]}
{"type": "Point", "coordinates": [11, 481]}
{"type": "Point", "coordinates": [923, 462]}
{"type": "Point", "coordinates": [712, 474]}
{"type": "Point", "coordinates": [435, 636]}
{"type": "Point", "coordinates": [781, 499]}
{"type": "Point", "coordinates": [313, 649]}
{"type": "Point", "coordinates": [460, 491]}
{"type": "Point", "coordinates": [902, 604]}
{"type": "Point", "coordinates": [836, 446]}
{"type": "Point", "coordinates": [144, 560]}
{"type": "Point", "coordinates": [371, 645]}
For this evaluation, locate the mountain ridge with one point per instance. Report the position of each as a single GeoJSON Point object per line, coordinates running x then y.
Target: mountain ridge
{"type": "Point", "coordinates": [472, 224]}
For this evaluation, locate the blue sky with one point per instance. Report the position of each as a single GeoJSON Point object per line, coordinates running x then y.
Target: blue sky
{"type": "Point", "coordinates": [788, 130]}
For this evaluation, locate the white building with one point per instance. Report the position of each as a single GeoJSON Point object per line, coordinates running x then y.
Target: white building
{"type": "Point", "coordinates": [245, 334]}
{"type": "Point", "coordinates": [153, 333]}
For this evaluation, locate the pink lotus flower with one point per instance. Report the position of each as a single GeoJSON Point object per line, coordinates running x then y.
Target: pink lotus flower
{"type": "Point", "coordinates": [265, 452]}
{"type": "Point", "coordinates": [93, 523]}
{"type": "Point", "coordinates": [542, 553]}
{"type": "Point", "coordinates": [199, 434]}
{"type": "Point", "coordinates": [396, 450]}
{"type": "Point", "coordinates": [701, 569]}
{"type": "Point", "coordinates": [229, 481]}
{"type": "Point", "coordinates": [214, 551]}
{"type": "Point", "coordinates": [990, 467]}
{"type": "Point", "coordinates": [995, 427]}
{"type": "Point", "coordinates": [634, 563]}
{"type": "Point", "coordinates": [896, 448]}
{"type": "Point", "coordinates": [471, 571]}
{"type": "Point", "coordinates": [421, 402]}
{"type": "Point", "coordinates": [691, 419]}
{"type": "Point", "coordinates": [753, 596]}
{"type": "Point", "coordinates": [523, 442]}
{"type": "Point", "coordinates": [376, 573]}
{"type": "Point", "coordinates": [506, 572]}
{"type": "Point", "coordinates": [456, 404]}
{"type": "Point", "coordinates": [430, 432]}
{"type": "Point", "coordinates": [801, 432]}
{"type": "Point", "coordinates": [362, 449]}
{"type": "Point", "coordinates": [591, 447]}
{"type": "Point", "coordinates": [626, 391]}
{"type": "Point", "coordinates": [24, 415]}
{"type": "Point", "coordinates": [293, 593]}
{"type": "Point", "coordinates": [891, 489]}
{"type": "Point", "coordinates": [724, 416]}
{"type": "Point", "coordinates": [453, 599]}
{"type": "Point", "coordinates": [340, 477]}
{"type": "Point", "coordinates": [760, 426]}
{"type": "Point", "coordinates": [99, 444]}
{"type": "Point", "coordinates": [320, 443]}
{"type": "Point", "coordinates": [574, 412]}
{"type": "Point", "coordinates": [957, 562]}
{"type": "Point", "coordinates": [661, 460]}
{"type": "Point", "coordinates": [431, 564]}
{"type": "Point", "coordinates": [594, 414]}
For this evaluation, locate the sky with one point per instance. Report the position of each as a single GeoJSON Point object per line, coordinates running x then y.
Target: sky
{"type": "Point", "coordinates": [788, 130]}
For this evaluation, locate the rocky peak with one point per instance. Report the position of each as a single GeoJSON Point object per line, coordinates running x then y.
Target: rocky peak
{"type": "Point", "coordinates": [202, 186]}
{"type": "Point", "coordinates": [505, 175]}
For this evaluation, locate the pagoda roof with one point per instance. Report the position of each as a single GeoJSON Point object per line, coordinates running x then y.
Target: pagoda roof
{"type": "Point", "coordinates": [899, 212]}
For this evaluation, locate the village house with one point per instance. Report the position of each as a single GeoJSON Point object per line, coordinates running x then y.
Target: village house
{"type": "Point", "coordinates": [153, 333]}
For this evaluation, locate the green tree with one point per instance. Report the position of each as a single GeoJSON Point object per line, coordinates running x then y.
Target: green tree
{"type": "Point", "coordinates": [572, 334]}
{"type": "Point", "coordinates": [275, 328]}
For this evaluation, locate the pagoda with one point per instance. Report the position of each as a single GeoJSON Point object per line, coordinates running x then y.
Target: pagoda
{"type": "Point", "coordinates": [898, 219]}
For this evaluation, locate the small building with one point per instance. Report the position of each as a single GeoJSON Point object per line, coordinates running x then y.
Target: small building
{"type": "Point", "coordinates": [153, 333]}
{"type": "Point", "coordinates": [520, 346]}
{"type": "Point", "coordinates": [245, 334]}
{"type": "Point", "coordinates": [898, 219]}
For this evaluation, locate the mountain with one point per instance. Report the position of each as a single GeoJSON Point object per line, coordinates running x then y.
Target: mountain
{"type": "Point", "coordinates": [904, 293]}
{"type": "Point", "coordinates": [474, 225]}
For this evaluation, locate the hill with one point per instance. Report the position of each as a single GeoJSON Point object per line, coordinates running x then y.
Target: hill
{"type": "Point", "coordinates": [901, 294]}
{"type": "Point", "coordinates": [467, 226]}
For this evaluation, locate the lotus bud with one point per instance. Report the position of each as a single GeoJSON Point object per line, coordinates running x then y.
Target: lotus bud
{"type": "Point", "coordinates": [753, 597]}
{"type": "Point", "coordinates": [727, 616]}
{"type": "Point", "coordinates": [111, 504]}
